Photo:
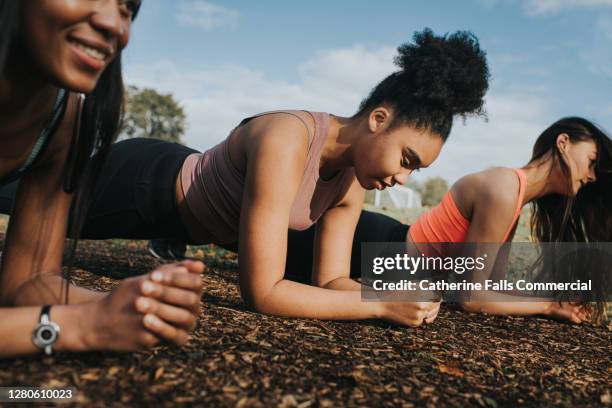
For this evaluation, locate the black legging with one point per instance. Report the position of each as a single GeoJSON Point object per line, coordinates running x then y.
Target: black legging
{"type": "Point", "coordinates": [134, 195]}
{"type": "Point", "coordinates": [372, 227]}
{"type": "Point", "coordinates": [134, 199]}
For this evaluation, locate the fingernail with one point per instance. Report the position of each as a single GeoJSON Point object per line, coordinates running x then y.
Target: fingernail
{"type": "Point", "coordinates": [148, 287]}
{"type": "Point", "coordinates": [156, 276]}
{"type": "Point", "coordinates": [143, 304]}
{"type": "Point", "coordinates": [150, 320]}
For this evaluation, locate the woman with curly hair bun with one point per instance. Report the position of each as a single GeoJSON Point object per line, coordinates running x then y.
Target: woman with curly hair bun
{"type": "Point", "coordinates": [289, 169]}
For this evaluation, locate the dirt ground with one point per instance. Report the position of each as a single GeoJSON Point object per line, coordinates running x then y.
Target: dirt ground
{"type": "Point", "coordinates": [240, 358]}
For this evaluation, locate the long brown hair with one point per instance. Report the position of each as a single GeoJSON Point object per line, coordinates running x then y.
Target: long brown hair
{"type": "Point", "coordinates": [587, 217]}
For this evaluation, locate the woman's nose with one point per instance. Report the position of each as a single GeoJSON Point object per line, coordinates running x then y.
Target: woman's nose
{"type": "Point", "coordinates": [402, 178]}
{"type": "Point", "coordinates": [107, 18]}
{"type": "Point", "coordinates": [592, 176]}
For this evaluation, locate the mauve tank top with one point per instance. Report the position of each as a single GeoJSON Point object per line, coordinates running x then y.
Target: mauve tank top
{"type": "Point", "coordinates": [213, 187]}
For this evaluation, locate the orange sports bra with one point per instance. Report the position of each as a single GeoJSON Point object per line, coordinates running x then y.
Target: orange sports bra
{"type": "Point", "coordinates": [445, 223]}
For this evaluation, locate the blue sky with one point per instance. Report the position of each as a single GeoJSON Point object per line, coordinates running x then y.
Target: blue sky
{"type": "Point", "coordinates": [224, 60]}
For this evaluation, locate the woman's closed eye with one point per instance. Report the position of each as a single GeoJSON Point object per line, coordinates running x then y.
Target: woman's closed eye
{"type": "Point", "coordinates": [407, 164]}
{"type": "Point", "coordinates": [129, 8]}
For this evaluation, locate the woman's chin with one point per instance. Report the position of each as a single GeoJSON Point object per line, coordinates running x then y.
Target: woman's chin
{"type": "Point", "coordinates": [77, 82]}
{"type": "Point", "coordinates": [574, 191]}
{"type": "Point", "coordinates": [85, 87]}
{"type": "Point", "coordinates": [366, 186]}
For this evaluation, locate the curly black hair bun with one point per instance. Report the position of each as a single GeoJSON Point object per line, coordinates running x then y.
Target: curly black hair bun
{"type": "Point", "coordinates": [440, 78]}
{"type": "Point", "coordinates": [447, 71]}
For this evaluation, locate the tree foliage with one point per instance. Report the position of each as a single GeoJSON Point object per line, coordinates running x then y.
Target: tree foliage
{"type": "Point", "coordinates": [151, 114]}
{"type": "Point", "coordinates": [433, 191]}
{"type": "Point", "coordinates": [415, 185]}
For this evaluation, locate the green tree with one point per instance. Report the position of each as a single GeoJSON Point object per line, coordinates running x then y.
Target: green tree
{"type": "Point", "coordinates": [151, 114]}
{"type": "Point", "coordinates": [415, 185]}
{"type": "Point", "coordinates": [433, 191]}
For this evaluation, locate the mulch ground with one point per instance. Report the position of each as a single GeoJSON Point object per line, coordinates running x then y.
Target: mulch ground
{"type": "Point", "coordinates": [240, 358]}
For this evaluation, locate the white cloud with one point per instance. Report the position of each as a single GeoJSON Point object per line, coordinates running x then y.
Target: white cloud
{"type": "Point", "coordinates": [544, 7]}
{"type": "Point", "coordinates": [216, 98]}
{"type": "Point", "coordinates": [506, 67]}
{"type": "Point", "coordinates": [348, 73]}
{"type": "Point", "coordinates": [547, 7]}
{"type": "Point", "coordinates": [206, 15]}
{"type": "Point", "coordinates": [515, 119]}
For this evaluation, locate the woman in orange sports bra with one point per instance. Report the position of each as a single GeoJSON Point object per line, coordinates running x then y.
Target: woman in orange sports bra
{"type": "Point", "coordinates": [446, 223]}
{"type": "Point", "coordinates": [568, 183]}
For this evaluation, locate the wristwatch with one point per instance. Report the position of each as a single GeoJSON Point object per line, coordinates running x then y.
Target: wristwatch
{"type": "Point", "coordinates": [46, 332]}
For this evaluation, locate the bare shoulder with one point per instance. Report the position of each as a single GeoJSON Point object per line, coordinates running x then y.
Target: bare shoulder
{"type": "Point", "coordinates": [276, 143]}
{"type": "Point", "coordinates": [289, 130]}
{"type": "Point", "coordinates": [496, 188]}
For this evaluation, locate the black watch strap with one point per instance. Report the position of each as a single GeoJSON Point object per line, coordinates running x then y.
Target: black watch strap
{"type": "Point", "coordinates": [46, 332]}
{"type": "Point", "coordinates": [45, 314]}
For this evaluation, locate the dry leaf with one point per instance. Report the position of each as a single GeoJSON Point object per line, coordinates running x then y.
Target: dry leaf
{"type": "Point", "coordinates": [159, 372]}
{"type": "Point", "coordinates": [90, 376]}
{"type": "Point", "coordinates": [113, 371]}
{"type": "Point", "coordinates": [454, 371]}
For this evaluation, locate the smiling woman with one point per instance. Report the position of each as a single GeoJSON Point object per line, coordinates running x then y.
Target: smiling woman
{"type": "Point", "coordinates": [74, 53]}
{"type": "Point", "coordinates": [50, 51]}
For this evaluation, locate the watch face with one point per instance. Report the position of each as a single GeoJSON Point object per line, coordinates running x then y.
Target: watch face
{"type": "Point", "coordinates": [45, 334]}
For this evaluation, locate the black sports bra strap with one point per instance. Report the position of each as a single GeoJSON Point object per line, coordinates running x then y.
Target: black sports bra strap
{"type": "Point", "coordinates": [43, 139]}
